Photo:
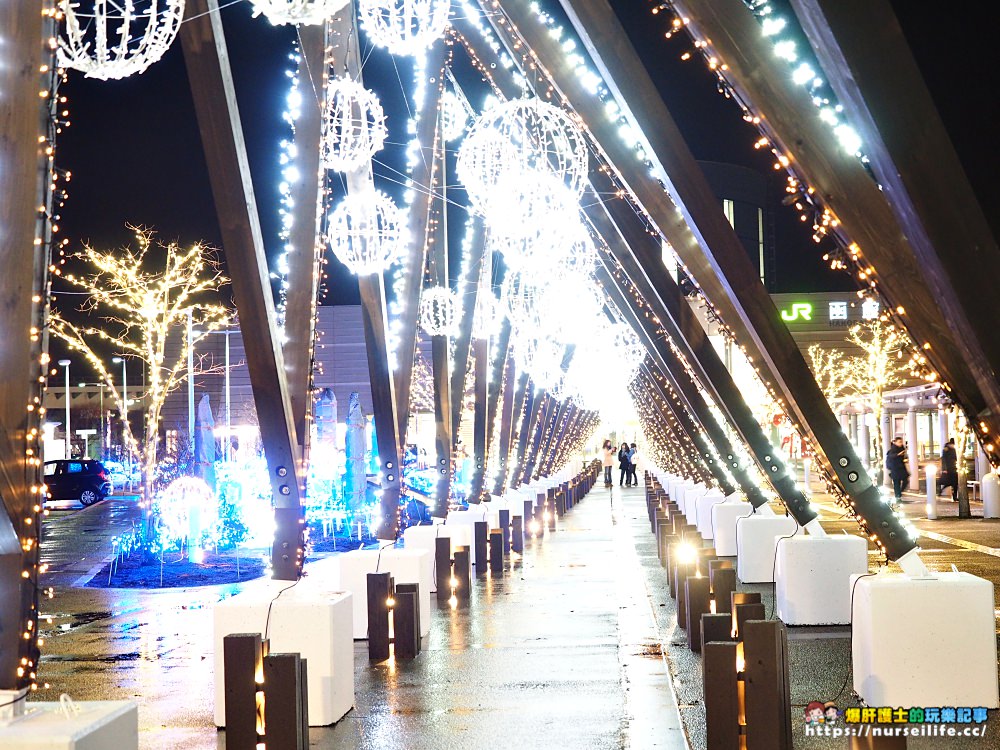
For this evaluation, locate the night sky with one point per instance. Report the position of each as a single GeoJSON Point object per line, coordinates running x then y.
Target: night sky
{"type": "Point", "coordinates": [136, 156]}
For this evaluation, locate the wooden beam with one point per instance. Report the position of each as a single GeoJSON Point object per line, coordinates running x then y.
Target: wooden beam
{"type": "Point", "coordinates": [877, 81]}
{"type": "Point", "coordinates": [478, 254]}
{"type": "Point", "coordinates": [24, 170]}
{"type": "Point", "coordinates": [418, 222]}
{"type": "Point", "coordinates": [305, 235]}
{"type": "Point", "coordinates": [444, 396]}
{"type": "Point", "coordinates": [481, 365]}
{"type": "Point", "coordinates": [513, 402]}
{"type": "Point", "coordinates": [541, 436]}
{"type": "Point", "coordinates": [674, 193]}
{"type": "Point", "coordinates": [207, 60]}
{"type": "Point", "coordinates": [861, 206]}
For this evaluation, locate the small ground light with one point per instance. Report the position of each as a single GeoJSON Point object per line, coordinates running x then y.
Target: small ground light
{"type": "Point", "coordinates": [534, 527]}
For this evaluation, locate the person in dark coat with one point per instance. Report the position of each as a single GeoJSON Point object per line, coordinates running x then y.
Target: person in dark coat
{"type": "Point", "coordinates": [624, 462]}
{"type": "Point", "coordinates": [896, 462]}
{"type": "Point", "coordinates": [949, 469]}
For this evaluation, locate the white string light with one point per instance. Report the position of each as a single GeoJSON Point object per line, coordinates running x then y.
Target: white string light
{"type": "Point", "coordinates": [116, 41]}
{"type": "Point", "coordinates": [404, 27]}
{"type": "Point", "coordinates": [366, 232]}
{"type": "Point", "coordinates": [297, 12]}
{"type": "Point", "coordinates": [354, 128]}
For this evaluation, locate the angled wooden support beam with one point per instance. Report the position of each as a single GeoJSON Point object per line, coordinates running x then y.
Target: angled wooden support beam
{"type": "Point", "coordinates": [480, 417]}
{"type": "Point", "coordinates": [543, 435]}
{"type": "Point", "coordinates": [418, 224]}
{"type": "Point", "coordinates": [674, 193]}
{"type": "Point", "coordinates": [497, 374]}
{"type": "Point", "coordinates": [845, 184]}
{"type": "Point", "coordinates": [523, 430]}
{"type": "Point", "coordinates": [541, 408]}
{"type": "Point", "coordinates": [305, 235]}
{"type": "Point", "coordinates": [637, 255]}
{"type": "Point", "coordinates": [877, 81]}
{"type": "Point", "coordinates": [478, 255]}
{"type": "Point", "coordinates": [214, 95]}
{"type": "Point", "coordinates": [513, 402]}
{"type": "Point", "coordinates": [25, 134]}
{"type": "Point", "coordinates": [556, 431]}
{"type": "Point", "coordinates": [559, 443]}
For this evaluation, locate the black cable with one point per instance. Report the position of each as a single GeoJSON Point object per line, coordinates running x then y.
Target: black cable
{"type": "Point", "coordinates": [774, 567]}
{"type": "Point", "coordinates": [267, 621]}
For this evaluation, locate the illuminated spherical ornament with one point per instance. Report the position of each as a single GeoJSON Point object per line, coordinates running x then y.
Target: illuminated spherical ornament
{"type": "Point", "coordinates": [404, 27]}
{"type": "Point", "coordinates": [628, 347]}
{"type": "Point", "coordinates": [489, 315]}
{"type": "Point", "coordinates": [570, 308]}
{"type": "Point", "coordinates": [439, 311]}
{"type": "Point", "coordinates": [297, 12]}
{"type": "Point", "coordinates": [108, 40]}
{"type": "Point", "coordinates": [540, 357]}
{"type": "Point", "coordinates": [454, 116]}
{"type": "Point", "coordinates": [365, 232]}
{"type": "Point", "coordinates": [355, 129]}
{"type": "Point", "coordinates": [519, 136]}
{"type": "Point", "coordinates": [533, 219]}
{"type": "Point", "coordinates": [520, 301]}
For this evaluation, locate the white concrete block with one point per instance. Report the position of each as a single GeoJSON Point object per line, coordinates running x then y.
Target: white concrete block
{"type": "Point", "coordinates": [813, 578]}
{"type": "Point", "coordinates": [310, 619]}
{"type": "Point", "coordinates": [925, 642]}
{"type": "Point", "coordinates": [468, 519]}
{"type": "Point", "coordinates": [724, 518]}
{"type": "Point", "coordinates": [756, 537]}
{"type": "Point", "coordinates": [423, 538]}
{"type": "Point", "coordinates": [349, 571]}
{"type": "Point", "coordinates": [90, 725]}
{"type": "Point", "coordinates": [704, 512]}
{"type": "Point", "coordinates": [690, 503]}
{"type": "Point", "coordinates": [676, 492]}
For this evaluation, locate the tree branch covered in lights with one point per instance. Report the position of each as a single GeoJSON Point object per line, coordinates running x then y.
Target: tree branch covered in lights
{"type": "Point", "coordinates": [143, 297]}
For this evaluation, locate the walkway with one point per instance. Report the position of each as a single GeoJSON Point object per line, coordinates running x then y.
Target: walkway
{"type": "Point", "coordinates": [563, 651]}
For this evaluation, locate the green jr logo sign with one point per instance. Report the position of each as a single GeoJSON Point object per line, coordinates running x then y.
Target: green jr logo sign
{"type": "Point", "coordinates": [798, 311]}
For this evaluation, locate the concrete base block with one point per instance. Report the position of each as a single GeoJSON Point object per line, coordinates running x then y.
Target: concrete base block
{"type": "Point", "coordinates": [423, 538]}
{"type": "Point", "coordinates": [88, 725]}
{"type": "Point", "coordinates": [756, 537]}
{"type": "Point", "coordinates": [349, 572]}
{"type": "Point", "coordinates": [468, 518]}
{"type": "Point", "coordinates": [724, 518]}
{"type": "Point", "coordinates": [703, 516]}
{"type": "Point", "coordinates": [691, 497]}
{"type": "Point", "coordinates": [306, 619]}
{"type": "Point", "coordinates": [925, 641]}
{"type": "Point", "coordinates": [813, 578]}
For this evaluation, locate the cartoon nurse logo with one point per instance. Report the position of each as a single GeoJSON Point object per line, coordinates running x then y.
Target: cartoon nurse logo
{"type": "Point", "coordinates": [814, 714]}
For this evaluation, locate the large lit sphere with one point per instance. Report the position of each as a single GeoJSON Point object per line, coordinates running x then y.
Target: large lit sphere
{"type": "Point", "coordinates": [533, 219]}
{"type": "Point", "coordinates": [519, 136]}
{"type": "Point", "coordinates": [488, 315]}
{"type": "Point", "coordinates": [541, 358]}
{"type": "Point", "coordinates": [298, 12]}
{"type": "Point", "coordinates": [182, 498]}
{"type": "Point", "coordinates": [520, 301]}
{"type": "Point", "coordinates": [404, 27]}
{"type": "Point", "coordinates": [570, 308]}
{"type": "Point", "coordinates": [366, 232]}
{"type": "Point", "coordinates": [628, 347]}
{"type": "Point", "coordinates": [354, 129]}
{"type": "Point", "coordinates": [115, 40]}
{"type": "Point", "coordinates": [439, 311]}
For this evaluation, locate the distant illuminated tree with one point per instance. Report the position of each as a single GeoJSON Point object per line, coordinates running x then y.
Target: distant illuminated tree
{"type": "Point", "coordinates": [828, 367]}
{"type": "Point", "coordinates": [136, 300]}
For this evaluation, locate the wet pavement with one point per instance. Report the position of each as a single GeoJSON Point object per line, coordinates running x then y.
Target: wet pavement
{"type": "Point", "coordinates": [575, 646]}
{"type": "Point", "coordinates": [562, 651]}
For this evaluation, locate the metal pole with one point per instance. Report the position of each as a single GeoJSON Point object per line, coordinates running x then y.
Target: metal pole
{"type": "Point", "coordinates": [65, 364]}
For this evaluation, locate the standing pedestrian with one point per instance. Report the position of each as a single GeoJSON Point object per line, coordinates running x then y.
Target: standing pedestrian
{"type": "Point", "coordinates": [608, 461]}
{"type": "Point", "coordinates": [896, 462]}
{"type": "Point", "coordinates": [949, 469]}
{"type": "Point", "coordinates": [633, 456]}
{"type": "Point", "coordinates": [623, 463]}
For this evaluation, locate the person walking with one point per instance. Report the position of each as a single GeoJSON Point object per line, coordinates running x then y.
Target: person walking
{"type": "Point", "coordinates": [949, 469]}
{"type": "Point", "coordinates": [623, 463]}
{"type": "Point", "coordinates": [896, 462]}
{"type": "Point", "coordinates": [608, 461]}
{"type": "Point", "coordinates": [633, 454]}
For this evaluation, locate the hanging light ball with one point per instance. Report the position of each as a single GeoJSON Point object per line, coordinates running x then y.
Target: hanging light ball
{"type": "Point", "coordinates": [454, 116]}
{"type": "Point", "coordinates": [488, 315]}
{"type": "Point", "coordinates": [111, 41]}
{"type": "Point", "coordinates": [297, 12]}
{"type": "Point", "coordinates": [365, 232]}
{"type": "Point", "coordinates": [439, 311]}
{"type": "Point", "coordinates": [404, 27]}
{"type": "Point", "coordinates": [533, 219]}
{"type": "Point", "coordinates": [355, 129]}
{"type": "Point", "coordinates": [519, 136]}
{"type": "Point", "coordinates": [570, 308]}
{"type": "Point", "coordinates": [628, 347]}
{"type": "Point", "coordinates": [540, 357]}
{"type": "Point", "coordinates": [520, 301]}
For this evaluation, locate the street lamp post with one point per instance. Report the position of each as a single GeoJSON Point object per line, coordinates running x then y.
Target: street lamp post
{"type": "Point", "coordinates": [128, 453]}
{"type": "Point", "coordinates": [64, 363]}
{"type": "Point", "coordinates": [101, 444]}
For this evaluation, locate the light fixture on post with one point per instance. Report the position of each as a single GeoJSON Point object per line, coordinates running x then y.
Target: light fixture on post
{"type": "Point", "coordinates": [64, 363]}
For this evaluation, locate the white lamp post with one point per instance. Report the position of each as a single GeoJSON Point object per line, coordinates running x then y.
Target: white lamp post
{"type": "Point", "coordinates": [64, 363]}
{"type": "Point", "coordinates": [930, 472]}
{"type": "Point", "coordinates": [128, 453]}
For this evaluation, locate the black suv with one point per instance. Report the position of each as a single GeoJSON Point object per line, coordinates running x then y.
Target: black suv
{"type": "Point", "coordinates": [84, 479]}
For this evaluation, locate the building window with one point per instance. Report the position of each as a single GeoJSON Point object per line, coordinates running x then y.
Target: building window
{"type": "Point", "coordinates": [728, 210]}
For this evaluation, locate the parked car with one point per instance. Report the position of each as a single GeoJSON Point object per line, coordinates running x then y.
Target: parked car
{"type": "Point", "coordinates": [85, 480]}
{"type": "Point", "coordinates": [120, 474]}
